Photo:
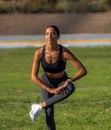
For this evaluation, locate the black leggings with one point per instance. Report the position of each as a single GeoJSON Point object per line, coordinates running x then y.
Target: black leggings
{"type": "Point", "coordinates": [51, 99]}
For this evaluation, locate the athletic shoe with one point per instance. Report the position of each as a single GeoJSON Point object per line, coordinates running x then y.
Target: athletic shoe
{"type": "Point", "coordinates": [35, 111]}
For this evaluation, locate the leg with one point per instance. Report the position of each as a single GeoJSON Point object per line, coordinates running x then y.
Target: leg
{"type": "Point", "coordinates": [49, 111]}
{"type": "Point", "coordinates": [60, 96]}
{"type": "Point", "coordinates": [50, 99]}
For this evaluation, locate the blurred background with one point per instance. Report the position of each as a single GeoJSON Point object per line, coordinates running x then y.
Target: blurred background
{"type": "Point", "coordinates": [30, 17]}
{"type": "Point", "coordinates": [82, 23]}
{"type": "Point", "coordinates": [51, 6]}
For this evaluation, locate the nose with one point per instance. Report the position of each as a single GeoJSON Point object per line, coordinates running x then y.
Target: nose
{"type": "Point", "coordinates": [50, 35]}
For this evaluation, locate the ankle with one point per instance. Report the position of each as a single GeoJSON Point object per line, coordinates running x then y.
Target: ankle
{"type": "Point", "coordinates": [43, 104]}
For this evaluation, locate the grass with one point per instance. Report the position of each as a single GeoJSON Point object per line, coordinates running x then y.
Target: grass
{"type": "Point", "coordinates": [87, 109]}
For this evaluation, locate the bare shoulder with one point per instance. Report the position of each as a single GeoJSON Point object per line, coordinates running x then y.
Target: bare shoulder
{"type": "Point", "coordinates": [68, 55]}
{"type": "Point", "coordinates": [38, 53]}
{"type": "Point", "coordinates": [66, 50]}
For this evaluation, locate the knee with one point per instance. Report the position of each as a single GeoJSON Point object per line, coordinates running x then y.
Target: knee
{"type": "Point", "coordinates": [70, 88]}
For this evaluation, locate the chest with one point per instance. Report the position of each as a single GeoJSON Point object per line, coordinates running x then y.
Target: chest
{"type": "Point", "coordinates": [51, 57]}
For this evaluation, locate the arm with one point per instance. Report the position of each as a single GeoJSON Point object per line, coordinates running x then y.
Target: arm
{"type": "Point", "coordinates": [35, 70]}
{"type": "Point", "coordinates": [81, 70]}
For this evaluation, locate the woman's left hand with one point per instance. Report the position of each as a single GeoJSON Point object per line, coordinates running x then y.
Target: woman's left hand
{"type": "Point", "coordinates": [63, 86]}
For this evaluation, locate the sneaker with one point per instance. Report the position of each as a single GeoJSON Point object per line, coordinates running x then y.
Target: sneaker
{"type": "Point", "coordinates": [35, 111]}
{"type": "Point", "coordinates": [32, 110]}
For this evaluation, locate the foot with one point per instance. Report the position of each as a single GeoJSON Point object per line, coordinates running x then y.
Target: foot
{"type": "Point", "coordinates": [35, 111]}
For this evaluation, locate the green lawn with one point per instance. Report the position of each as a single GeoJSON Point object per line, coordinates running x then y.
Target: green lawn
{"type": "Point", "coordinates": [87, 109]}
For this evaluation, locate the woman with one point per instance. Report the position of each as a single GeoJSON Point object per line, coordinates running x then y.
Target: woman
{"type": "Point", "coordinates": [55, 85]}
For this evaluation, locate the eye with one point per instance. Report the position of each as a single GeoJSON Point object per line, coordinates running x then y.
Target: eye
{"type": "Point", "coordinates": [53, 34]}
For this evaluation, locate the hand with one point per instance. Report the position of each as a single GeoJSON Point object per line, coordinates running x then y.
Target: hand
{"type": "Point", "coordinates": [53, 90]}
{"type": "Point", "coordinates": [60, 88]}
{"type": "Point", "coordinates": [65, 84]}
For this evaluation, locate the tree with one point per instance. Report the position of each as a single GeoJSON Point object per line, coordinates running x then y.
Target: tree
{"type": "Point", "coordinates": [109, 2]}
{"type": "Point", "coordinates": [53, 3]}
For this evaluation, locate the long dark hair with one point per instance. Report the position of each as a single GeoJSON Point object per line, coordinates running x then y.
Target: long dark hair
{"type": "Point", "coordinates": [55, 27]}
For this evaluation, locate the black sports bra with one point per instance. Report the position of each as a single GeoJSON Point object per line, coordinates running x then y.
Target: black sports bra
{"type": "Point", "coordinates": [56, 67]}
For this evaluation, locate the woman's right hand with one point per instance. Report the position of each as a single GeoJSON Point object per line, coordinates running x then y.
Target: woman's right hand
{"type": "Point", "coordinates": [58, 89]}
{"type": "Point", "coordinates": [52, 90]}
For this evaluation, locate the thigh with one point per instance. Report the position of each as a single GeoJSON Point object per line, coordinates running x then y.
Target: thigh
{"type": "Point", "coordinates": [62, 95]}
{"type": "Point", "coordinates": [45, 95]}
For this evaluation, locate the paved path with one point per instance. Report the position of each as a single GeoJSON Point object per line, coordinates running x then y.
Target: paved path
{"type": "Point", "coordinates": [38, 43]}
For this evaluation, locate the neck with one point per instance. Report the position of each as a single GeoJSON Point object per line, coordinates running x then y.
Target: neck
{"type": "Point", "coordinates": [52, 47]}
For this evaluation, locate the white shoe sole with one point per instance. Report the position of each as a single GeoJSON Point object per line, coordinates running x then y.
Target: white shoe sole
{"type": "Point", "coordinates": [34, 113]}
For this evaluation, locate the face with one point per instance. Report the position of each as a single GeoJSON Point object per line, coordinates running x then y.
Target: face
{"type": "Point", "coordinates": [51, 35]}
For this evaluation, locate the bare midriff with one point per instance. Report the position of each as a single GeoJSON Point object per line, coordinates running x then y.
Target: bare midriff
{"type": "Point", "coordinates": [53, 75]}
